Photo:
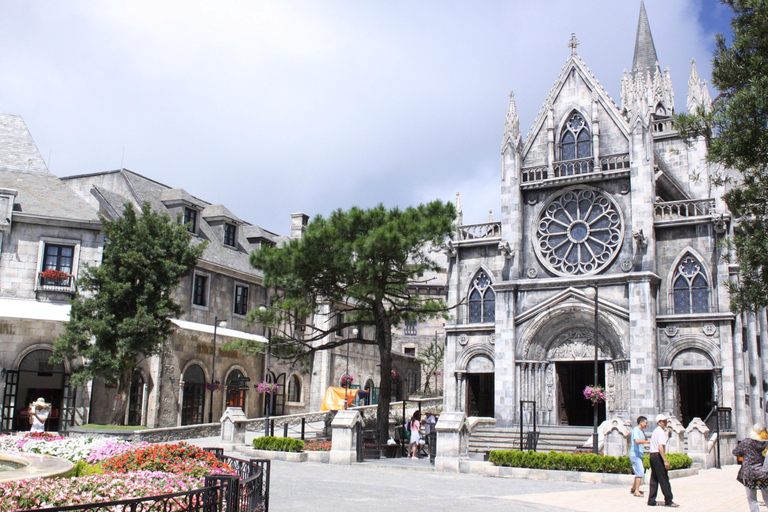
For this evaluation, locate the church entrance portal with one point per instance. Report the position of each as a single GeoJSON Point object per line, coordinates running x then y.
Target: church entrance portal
{"type": "Point", "coordinates": [480, 394]}
{"type": "Point", "coordinates": [695, 394]}
{"type": "Point", "coordinates": [572, 378]}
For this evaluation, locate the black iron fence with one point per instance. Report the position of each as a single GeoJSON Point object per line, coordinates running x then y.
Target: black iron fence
{"type": "Point", "coordinates": [248, 491]}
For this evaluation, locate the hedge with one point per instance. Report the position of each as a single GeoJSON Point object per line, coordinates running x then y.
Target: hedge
{"type": "Point", "coordinates": [587, 462]}
{"type": "Point", "coordinates": [278, 444]}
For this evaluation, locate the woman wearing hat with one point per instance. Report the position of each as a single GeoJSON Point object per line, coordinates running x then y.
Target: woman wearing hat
{"type": "Point", "coordinates": [39, 411]}
{"type": "Point", "coordinates": [752, 475]}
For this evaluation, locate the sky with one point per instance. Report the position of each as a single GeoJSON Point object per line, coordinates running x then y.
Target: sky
{"type": "Point", "coordinates": [272, 108]}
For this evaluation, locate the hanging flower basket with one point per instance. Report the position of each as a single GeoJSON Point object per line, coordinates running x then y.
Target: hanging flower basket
{"type": "Point", "coordinates": [595, 394]}
{"type": "Point", "coordinates": [212, 386]}
{"type": "Point", "coordinates": [346, 380]}
{"type": "Point", "coordinates": [394, 374]}
{"type": "Point", "coordinates": [267, 387]}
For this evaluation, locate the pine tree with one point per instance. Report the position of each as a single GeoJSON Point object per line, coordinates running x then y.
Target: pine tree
{"type": "Point", "coordinates": [364, 262]}
{"type": "Point", "coordinates": [123, 308]}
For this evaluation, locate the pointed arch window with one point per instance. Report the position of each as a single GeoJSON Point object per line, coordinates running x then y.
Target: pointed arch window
{"type": "Point", "coordinates": [575, 139]}
{"type": "Point", "coordinates": [482, 300]}
{"type": "Point", "coordinates": [690, 286]}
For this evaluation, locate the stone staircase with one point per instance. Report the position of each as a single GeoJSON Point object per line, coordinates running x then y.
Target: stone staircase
{"type": "Point", "coordinates": [561, 438]}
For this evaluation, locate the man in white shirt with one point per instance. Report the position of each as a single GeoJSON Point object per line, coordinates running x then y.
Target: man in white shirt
{"type": "Point", "coordinates": [660, 464]}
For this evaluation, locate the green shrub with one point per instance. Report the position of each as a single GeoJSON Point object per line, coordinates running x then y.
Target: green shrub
{"type": "Point", "coordinates": [278, 444]}
{"type": "Point", "coordinates": [588, 462]}
{"type": "Point", "coordinates": [82, 468]}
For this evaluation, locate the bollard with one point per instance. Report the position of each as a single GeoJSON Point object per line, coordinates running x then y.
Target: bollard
{"type": "Point", "coordinates": [285, 429]}
{"type": "Point", "coordinates": [303, 424]}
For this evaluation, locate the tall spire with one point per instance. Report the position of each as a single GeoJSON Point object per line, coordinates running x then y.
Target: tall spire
{"type": "Point", "coordinates": [645, 58]}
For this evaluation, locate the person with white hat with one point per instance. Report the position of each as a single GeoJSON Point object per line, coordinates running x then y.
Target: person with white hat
{"type": "Point", "coordinates": [39, 411]}
{"type": "Point", "coordinates": [659, 464]}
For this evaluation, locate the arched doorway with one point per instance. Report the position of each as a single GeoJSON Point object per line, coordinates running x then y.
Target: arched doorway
{"type": "Point", "coordinates": [194, 396]}
{"type": "Point", "coordinates": [136, 399]}
{"type": "Point", "coordinates": [35, 378]}
{"type": "Point", "coordinates": [480, 386]}
{"type": "Point", "coordinates": [236, 389]}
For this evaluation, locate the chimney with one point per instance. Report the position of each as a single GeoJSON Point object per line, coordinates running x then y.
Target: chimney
{"type": "Point", "coordinates": [298, 225]}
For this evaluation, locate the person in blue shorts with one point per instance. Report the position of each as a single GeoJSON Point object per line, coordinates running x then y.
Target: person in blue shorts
{"type": "Point", "coordinates": [636, 454]}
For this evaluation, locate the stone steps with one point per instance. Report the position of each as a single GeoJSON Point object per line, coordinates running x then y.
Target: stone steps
{"type": "Point", "coordinates": [551, 437]}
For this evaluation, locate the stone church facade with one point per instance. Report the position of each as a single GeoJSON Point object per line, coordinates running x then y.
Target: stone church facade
{"type": "Point", "coordinates": [606, 200]}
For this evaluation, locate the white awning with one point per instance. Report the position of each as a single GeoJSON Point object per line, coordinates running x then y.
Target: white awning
{"type": "Point", "coordinates": [221, 331]}
{"type": "Point", "coordinates": [34, 310]}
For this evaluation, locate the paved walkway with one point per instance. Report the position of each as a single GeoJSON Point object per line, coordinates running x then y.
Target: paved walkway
{"type": "Point", "coordinates": [398, 485]}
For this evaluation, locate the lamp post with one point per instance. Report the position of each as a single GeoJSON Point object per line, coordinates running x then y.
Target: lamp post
{"type": "Point", "coordinates": [597, 345]}
{"type": "Point", "coordinates": [213, 365]}
{"type": "Point", "coordinates": [268, 397]}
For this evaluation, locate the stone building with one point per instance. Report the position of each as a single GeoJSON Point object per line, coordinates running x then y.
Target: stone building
{"type": "Point", "coordinates": [186, 384]}
{"type": "Point", "coordinates": [47, 235]}
{"type": "Point", "coordinates": [607, 200]}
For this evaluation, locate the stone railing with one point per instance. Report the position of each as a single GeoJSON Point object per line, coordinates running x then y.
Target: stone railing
{"type": "Point", "coordinates": [674, 210]}
{"type": "Point", "coordinates": [664, 125]}
{"type": "Point", "coordinates": [479, 231]}
{"type": "Point", "coordinates": [571, 168]}
{"type": "Point", "coordinates": [151, 435]}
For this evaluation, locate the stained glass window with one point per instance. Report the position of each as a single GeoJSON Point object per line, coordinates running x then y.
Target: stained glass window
{"type": "Point", "coordinates": [482, 300]}
{"type": "Point", "coordinates": [575, 139]}
{"type": "Point", "coordinates": [690, 287]}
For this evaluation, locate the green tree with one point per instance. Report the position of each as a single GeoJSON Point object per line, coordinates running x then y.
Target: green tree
{"type": "Point", "coordinates": [431, 361]}
{"type": "Point", "coordinates": [736, 130]}
{"type": "Point", "coordinates": [124, 312]}
{"type": "Point", "coordinates": [362, 262]}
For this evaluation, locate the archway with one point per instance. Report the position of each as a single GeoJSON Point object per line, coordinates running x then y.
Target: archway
{"type": "Point", "coordinates": [35, 378]}
{"type": "Point", "coordinates": [480, 386]}
{"type": "Point", "coordinates": [194, 396]}
{"type": "Point", "coordinates": [236, 389]}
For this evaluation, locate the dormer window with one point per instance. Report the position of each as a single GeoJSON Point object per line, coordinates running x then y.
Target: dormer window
{"type": "Point", "coordinates": [190, 219]}
{"type": "Point", "coordinates": [230, 230]}
{"type": "Point", "coordinates": [575, 139]}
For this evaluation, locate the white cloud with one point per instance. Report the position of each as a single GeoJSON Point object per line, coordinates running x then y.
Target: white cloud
{"type": "Point", "coordinates": [277, 107]}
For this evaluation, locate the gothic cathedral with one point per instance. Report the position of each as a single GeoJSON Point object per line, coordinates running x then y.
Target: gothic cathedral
{"type": "Point", "coordinates": [609, 241]}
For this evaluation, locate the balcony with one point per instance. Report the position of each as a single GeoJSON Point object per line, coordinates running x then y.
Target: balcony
{"type": "Point", "coordinates": [488, 231]}
{"type": "Point", "coordinates": [582, 169]}
{"type": "Point", "coordinates": [690, 211]}
{"type": "Point", "coordinates": [55, 281]}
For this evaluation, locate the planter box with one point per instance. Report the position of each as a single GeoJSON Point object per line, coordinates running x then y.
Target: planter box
{"type": "Point", "coordinates": [488, 469]}
{"type": "Point", "coordinates": [273, 455]}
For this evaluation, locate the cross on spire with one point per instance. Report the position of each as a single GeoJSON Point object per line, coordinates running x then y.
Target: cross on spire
{"type": "Point", "coordinates": [573, 43]}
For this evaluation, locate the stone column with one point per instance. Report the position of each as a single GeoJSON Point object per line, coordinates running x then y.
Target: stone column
{"type": "Point", "coordinates": [755, 377]}
{"type": "Point", "coordinates": [452, 440]}
{"type": "Point", "coordinates": [643, 380]}
{"type": "Point", "coordinates": [676, 442]}
{"type": "Point", "coordinates": [616, 438]}
{"type": "Point", "coordinates": [667, 394]}
{"type": "Point", "coordinates": [344, 437]}
{"type": "Point", "coordinates": [697, 434]}
{"type": "Point", "coordinates": [740, 411]}
{"type": "Point", "coordinates": [505, 399]}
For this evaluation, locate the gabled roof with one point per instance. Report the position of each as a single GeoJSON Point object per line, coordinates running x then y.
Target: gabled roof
{"type": "Point", "coordinates": [574, 62]}
{"type": "Point", "coordinates": [39, 193]}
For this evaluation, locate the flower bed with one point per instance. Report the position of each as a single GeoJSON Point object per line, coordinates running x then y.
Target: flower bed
{"type": "Point", "coordinates": [318, 445]}
{"type": "Point", "coordinates": [106, 470]}
{"type": "Point", "coordinates": [586, 462]}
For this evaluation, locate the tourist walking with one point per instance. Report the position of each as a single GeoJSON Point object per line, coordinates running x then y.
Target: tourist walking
{"type": "Point", "coordinates": [39, 411]}
{"type": "Point", "coordinates": [753, 475]}
{"type": "Point", "coordinates": [660, 464]}
{"type": "Point", "coordinates": [413, 426]}
{"type": "Point", "coordinates": [639, 440]}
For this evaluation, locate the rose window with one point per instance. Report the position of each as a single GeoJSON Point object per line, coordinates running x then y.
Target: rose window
{"type": "Point", "coordinates": [579, 232]}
